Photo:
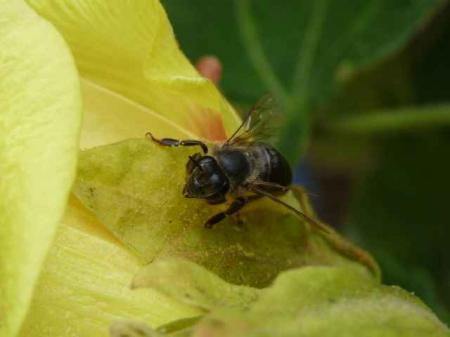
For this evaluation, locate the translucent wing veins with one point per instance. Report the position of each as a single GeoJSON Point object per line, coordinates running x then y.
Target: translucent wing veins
{"type": "Point", "coordinates": [255, 126]}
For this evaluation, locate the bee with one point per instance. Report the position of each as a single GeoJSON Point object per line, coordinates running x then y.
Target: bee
{"type": "Point", "coordinates": [244, 168]}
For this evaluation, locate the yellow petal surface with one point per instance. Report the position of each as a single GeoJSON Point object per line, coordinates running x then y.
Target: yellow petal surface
{"type": "Point", "coordinates": [133, 79]}
{"type": "Point", "coordinates": [110, 117]}
{"type": "Point", "coordinates": [129, 48]}
{"type": "Point", "coordinates": [325, 302]}
{"type": "Point", "coordinates": [134, 188]}
{"type": "Point", "coordinates": [85, 285]}
{"type": "Point", "coordinates": [40, 114]}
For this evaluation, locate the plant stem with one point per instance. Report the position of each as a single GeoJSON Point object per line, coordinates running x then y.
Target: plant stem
{"type": "Point", "coordinates": [295, 134]}
{"type": "Point", "coordinates": [307, 53]}
{"type": "Point", "coordinates": [255, 51]}
{"type": "Point", "coordinates": [385, 121]}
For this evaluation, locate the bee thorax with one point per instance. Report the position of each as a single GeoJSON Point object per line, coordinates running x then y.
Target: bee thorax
{"type": "Point", "coordinates": [235, 164]}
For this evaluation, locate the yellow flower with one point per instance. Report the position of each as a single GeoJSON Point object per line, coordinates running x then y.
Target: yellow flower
{"type": "Point", "coordinates": [62, 271]}
{"type": "Point", "coordinates": [120, 61]}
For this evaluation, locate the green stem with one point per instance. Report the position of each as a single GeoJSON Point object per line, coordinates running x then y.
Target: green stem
{"type": "Point", "coordinates": [255, 51]}
{"type": "Point", "coordinates": [308, 50]}
{"type": "Point", "coordinates": [294, 136]}
{"type": "Point", "coordinates": [393, 120]}
{"type": "Point", "coordinates": [296, 131]}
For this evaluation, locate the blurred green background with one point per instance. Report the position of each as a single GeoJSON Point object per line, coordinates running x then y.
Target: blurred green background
{"type": "Point", "coordinates": [364, 88]}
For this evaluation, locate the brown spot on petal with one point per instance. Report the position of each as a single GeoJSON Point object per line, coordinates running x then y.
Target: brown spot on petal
{"type": "Point", "coordinates": [208, 124]}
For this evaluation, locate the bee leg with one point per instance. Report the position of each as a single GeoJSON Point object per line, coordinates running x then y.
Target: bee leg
{"type": "Point", "coordinates": [314, 223]}
{"type": "Point", "coordinates": [235, 206]}
{"type": "Point", "coordinates": [177, 142]}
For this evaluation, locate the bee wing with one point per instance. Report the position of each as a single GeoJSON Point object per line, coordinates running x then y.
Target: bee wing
{"type": "Point", "coordinates": [257, 124]}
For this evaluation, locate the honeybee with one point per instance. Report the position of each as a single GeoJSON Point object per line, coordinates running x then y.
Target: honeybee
{"type": "Point", "coordinates": [244, 168]}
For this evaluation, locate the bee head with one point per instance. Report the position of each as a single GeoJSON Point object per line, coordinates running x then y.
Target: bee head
{"type": "Point", "coordinates": [205, 179]}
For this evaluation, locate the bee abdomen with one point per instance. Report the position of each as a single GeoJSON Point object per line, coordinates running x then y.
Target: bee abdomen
{"type": "Point", "coordinates": [275, 168]}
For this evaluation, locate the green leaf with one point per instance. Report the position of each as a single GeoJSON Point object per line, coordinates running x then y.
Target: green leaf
{"type": "Point", "coordinates": [40, 118]}
{"type": "Point", "coordinates": [430, 82]}
{"type": "Point", "coordinates": [300, 50]}
{"type": "Point", "coordinates": [305, 302]}
{"type": "Point", "coordinates": [134, 188]}
{"type": "Point", "coordinates": [400, 212]}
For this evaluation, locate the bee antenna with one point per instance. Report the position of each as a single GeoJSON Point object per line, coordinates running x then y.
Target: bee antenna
{"type": "Point", "coordinates": [196, 163]}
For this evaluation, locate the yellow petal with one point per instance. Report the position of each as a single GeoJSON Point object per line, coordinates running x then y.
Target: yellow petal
{"type": "Point", "coordinates": [85, 285]}
{"type": "Point", "coordinates": [40, 112]}
{"type": "Point", "coordinates": [110, 117]}
{"type": "Point", "coordinates": [193, 284]}
{"type": "Point", "coordinates": [129, 49]}
{"type": "Point", "coordinates": [325, 301]}
{"type": "Point", "coordinates": [134, 188]}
